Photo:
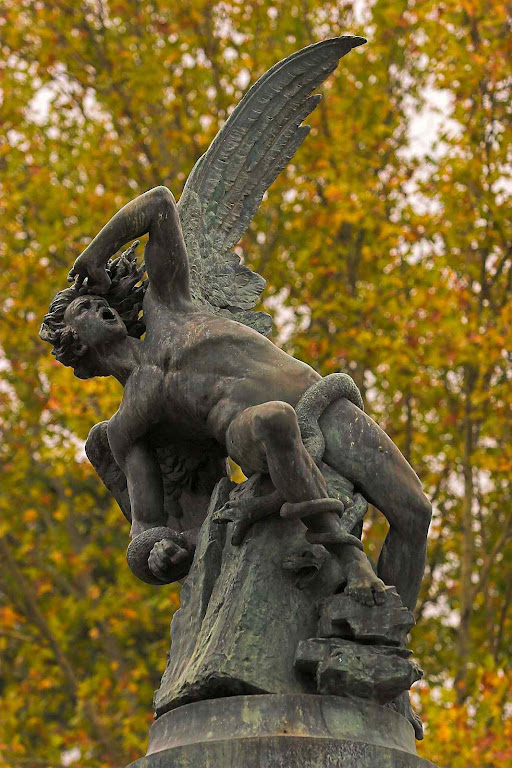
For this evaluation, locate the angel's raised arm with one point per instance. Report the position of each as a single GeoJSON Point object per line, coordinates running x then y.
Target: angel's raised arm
{"type": "Point", "coordinates": [154, 212]}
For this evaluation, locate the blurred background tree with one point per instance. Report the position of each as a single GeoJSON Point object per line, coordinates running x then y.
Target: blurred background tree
{"type": "Point", "coordinates": [388, 252]}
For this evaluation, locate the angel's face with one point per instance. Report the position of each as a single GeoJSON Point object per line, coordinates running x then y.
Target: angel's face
{"type": "Point", "coordinates": [95, 322]}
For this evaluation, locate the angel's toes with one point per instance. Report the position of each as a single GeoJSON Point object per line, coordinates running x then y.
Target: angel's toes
{"type": "Point", "coordinates": [367, 590]}
{"type": "Point", "coordinates": [361, 593]}
{"type": "Point", "coordinates": [379, 592]}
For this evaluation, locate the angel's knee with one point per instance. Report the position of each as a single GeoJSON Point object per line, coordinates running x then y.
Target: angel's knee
{"type": "Point", "coordinates": [162, 199]}
{"type": "Point", "coordinates": [276, 421]}
{"type": "Point", "coordinates": [411, 518]}
{"type": "Point", "coordinates": [162, 194]}
{"type": "Point", "coordinates": [420, 517]}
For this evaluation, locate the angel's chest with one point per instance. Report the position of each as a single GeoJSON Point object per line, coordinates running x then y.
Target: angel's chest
{"type": "Point", "coordinates": [190, 393]}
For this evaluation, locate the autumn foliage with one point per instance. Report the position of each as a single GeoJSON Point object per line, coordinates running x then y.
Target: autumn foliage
{"type": "Point", "coordinates": [387, 245]}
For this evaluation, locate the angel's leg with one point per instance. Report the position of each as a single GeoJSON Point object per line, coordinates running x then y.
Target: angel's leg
{"type": "Point", "coordinates": [266, 438]}
{"type": "Point", "coordinates": [358, 449]}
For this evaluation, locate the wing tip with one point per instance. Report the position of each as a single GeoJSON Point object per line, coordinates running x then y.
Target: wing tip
{"type": "Point", "coordinates": [356, 40]}
{"type": "Point", "coordinates": [339, 46]}
{"type": "Point", "coordinates": [348, 42]}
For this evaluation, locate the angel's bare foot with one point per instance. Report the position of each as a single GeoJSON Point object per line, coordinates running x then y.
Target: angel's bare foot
{"type": "Point", "coordinates": [245, 512]}
{"type": "Point", "coordinates": [363, 584]}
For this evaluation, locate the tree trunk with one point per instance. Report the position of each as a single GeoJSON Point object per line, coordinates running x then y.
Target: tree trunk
{"type": "Point", "coordinates": [467, 544]}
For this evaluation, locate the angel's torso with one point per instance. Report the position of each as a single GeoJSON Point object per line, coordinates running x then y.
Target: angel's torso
{"type": "Point", "coordinates": [199, 371]}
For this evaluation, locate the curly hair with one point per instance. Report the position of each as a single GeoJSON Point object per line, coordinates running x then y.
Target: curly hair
{"type": "Point", "coordinates": [125, 295]}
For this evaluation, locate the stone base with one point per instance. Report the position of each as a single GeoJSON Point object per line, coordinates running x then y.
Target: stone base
{"type": "Point", "coordinates": [281, 731]}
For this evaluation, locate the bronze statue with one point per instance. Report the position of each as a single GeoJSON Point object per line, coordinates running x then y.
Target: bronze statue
{"type": "Point", "coordinates": [205, 383]}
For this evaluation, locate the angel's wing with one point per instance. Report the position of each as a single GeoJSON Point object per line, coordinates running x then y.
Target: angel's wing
{"type": "Point", "coordinates": [228, 182]}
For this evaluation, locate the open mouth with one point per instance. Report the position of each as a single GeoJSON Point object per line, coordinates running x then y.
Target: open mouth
{"type": "Point", "coordinates": [107, 314]}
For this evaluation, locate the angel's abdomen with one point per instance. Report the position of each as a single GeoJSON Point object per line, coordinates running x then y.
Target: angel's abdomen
{"type": "Point", "coordinates": [219, 367]}
{"type": "Point", "coordinates": [253, 375]}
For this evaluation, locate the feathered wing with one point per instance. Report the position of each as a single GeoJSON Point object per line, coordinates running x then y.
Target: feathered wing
{"type": "Point", "coordinates": [227, 184]}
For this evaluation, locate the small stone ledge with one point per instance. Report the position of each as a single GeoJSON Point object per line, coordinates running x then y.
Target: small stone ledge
{"type": "Point", "coordinates": [387, 624]}
{"type": "Point", "coordinates": [346, 668]}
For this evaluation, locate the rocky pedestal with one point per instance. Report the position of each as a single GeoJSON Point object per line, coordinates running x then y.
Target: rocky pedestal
{"type": "Point", "coordinates": [266, 672]}
{"type": "Point", "coordinates": [243, 612]}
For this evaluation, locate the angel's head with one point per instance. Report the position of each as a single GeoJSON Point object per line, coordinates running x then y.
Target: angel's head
{"type": "Point", "coordinates": [82, 328]}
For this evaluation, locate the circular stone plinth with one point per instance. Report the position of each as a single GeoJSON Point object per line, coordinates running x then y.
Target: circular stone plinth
{"type": "Point", "coordinates": [281, 731]}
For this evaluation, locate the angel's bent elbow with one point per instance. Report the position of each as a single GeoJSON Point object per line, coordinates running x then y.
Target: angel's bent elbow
{"type": "Point", "coordinates": [163, 195]}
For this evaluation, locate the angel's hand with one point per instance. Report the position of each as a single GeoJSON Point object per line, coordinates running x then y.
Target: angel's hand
{"type": "Point", "coordinates": [88, 276]}
{"type": "Point", "coordinates": [166, 555]}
